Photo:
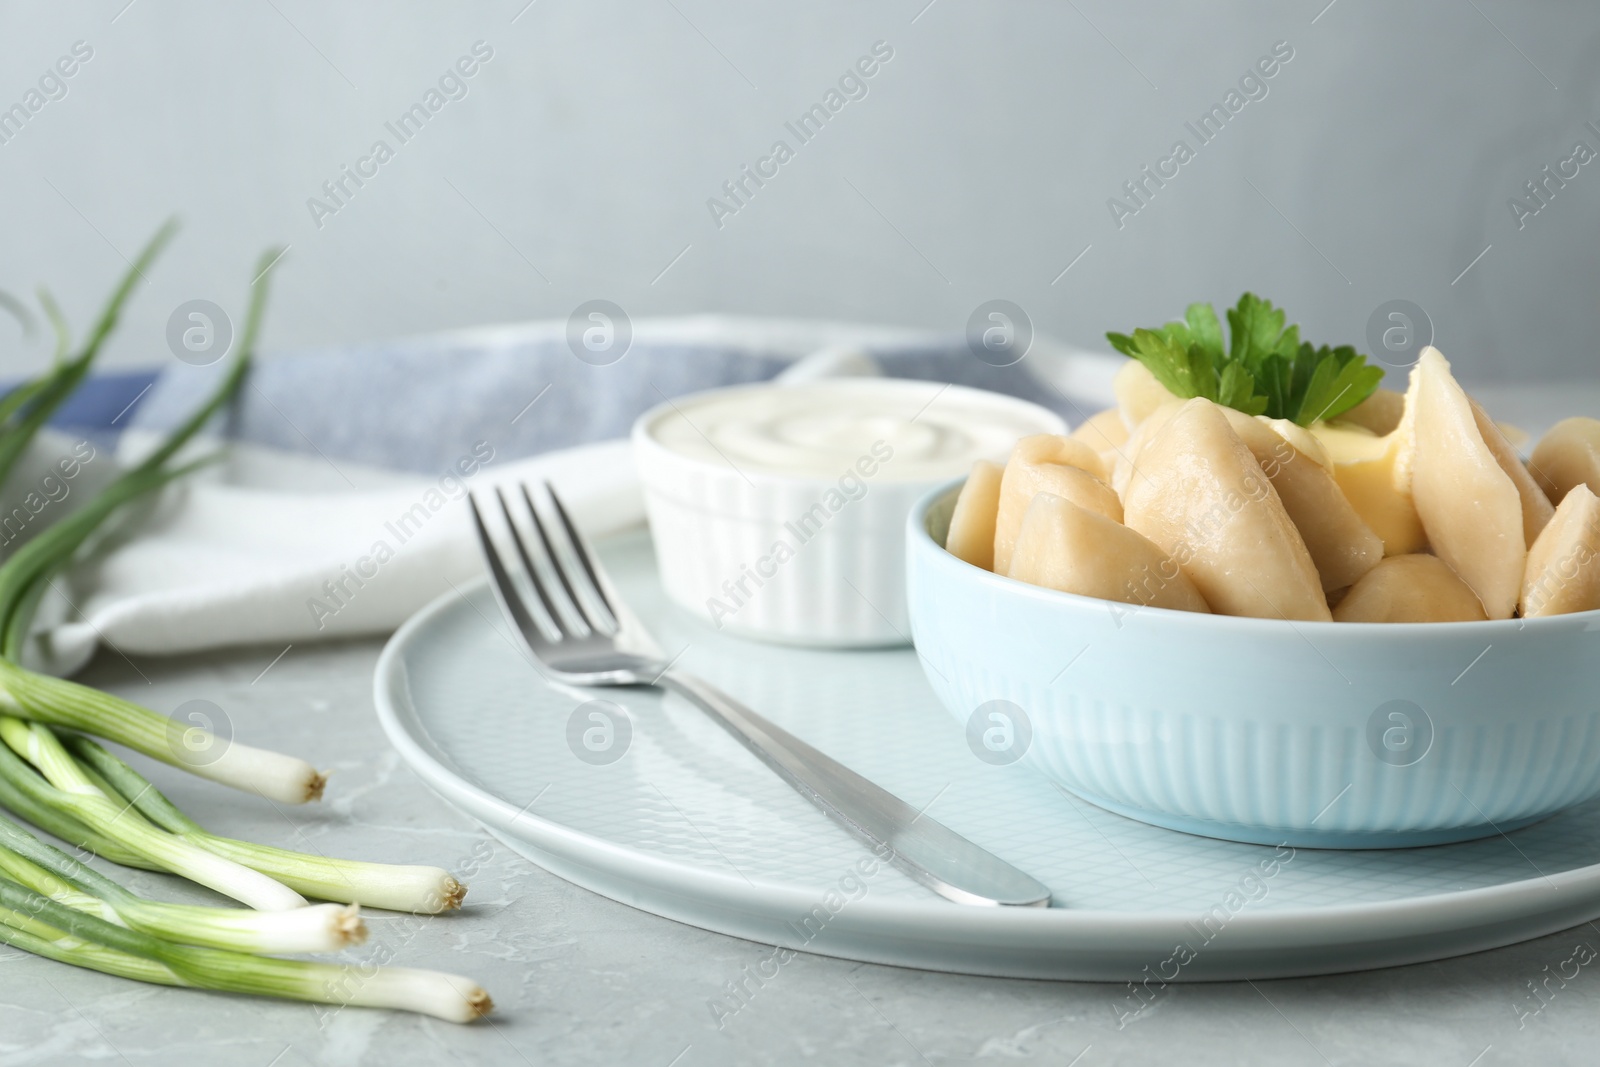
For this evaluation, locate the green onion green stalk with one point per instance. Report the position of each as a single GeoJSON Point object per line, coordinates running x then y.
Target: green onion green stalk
{"type": "Point", "coordinates": [63, 786]}
{"type": "Point", "coordinates": [47, 870]}
{"type": "Point", "coordinates": [59, 702]}
{"type": "Point", "coordinates": [39, 924]}
{"type": "Point", "coordinates": [393, 887]}
{"type": "Point", "coordinates": [56, 822]}
{"type": "Point", "coordinates": [27, 408]}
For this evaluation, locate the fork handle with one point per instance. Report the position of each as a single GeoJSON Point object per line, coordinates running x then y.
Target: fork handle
{"type": "Point", "coordinates": [919, 845]}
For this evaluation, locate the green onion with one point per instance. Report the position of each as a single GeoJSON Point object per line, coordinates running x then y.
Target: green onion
{"type": "Point", "coordinates": [57, 822]}
{"type": "Point", "coordinates": [42, 397]}
{"type": "Point", "coordinates": [59, 702]}
{"type": "Point", "coordinates": [19, 397]}
{"type": "Point", "coordinates": [64, 787]}
{"type": "Point", "coordinates": [47, 870]}
{"type": "Point", "coordinates": [445, 996]}
{"type": "Point", "coordinates": [393, 887]}
{"type": "Point", "coordinates": [55, 906]}
{"type": "Point", "coordinates": [24, 576]}
{"type": "Point", "coordinates": [30, 935]}
{"type": "Point", "coordinates": [314, 928]}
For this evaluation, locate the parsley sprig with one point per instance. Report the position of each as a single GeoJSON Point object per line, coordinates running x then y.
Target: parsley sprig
{"type": "Point", "coordinates": [1265, 370]}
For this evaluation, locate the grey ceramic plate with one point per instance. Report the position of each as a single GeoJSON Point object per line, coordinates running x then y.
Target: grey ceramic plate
{"type": "Point", "coordinates": [662, 811]}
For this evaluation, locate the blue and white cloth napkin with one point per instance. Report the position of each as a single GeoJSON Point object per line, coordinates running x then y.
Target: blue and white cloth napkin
{"type": "Point", "coordinates": [338, 510]}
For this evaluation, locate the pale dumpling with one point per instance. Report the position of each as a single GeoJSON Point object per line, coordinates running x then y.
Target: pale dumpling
{"type": "Point", "coordinates": [1203, 499]}
{"type": "Point", "coordinates": [1076, 550]}
{"type": "Point", "coordinates": [1564, 563]}
{"type": "Point", "coordinates": [1469, 506]}
{"type": "Point", "coordinates": [1067, 451]}
{"type": "Point", "coordinates": [1342, 546]}
{"type": "Point", "coordinates": [1379, 414]}
{"type": "Point", "coordinates": [1138, 393]}
{"type": "Point", "coordinates": [1568, 455]}
{"type": "Point", "coordinates": [1536, 507]}
{"type": "Point", "coordinates": [1046, 463]}
{"type": "Point", "coordinates": [1415, 588]}
{"type": "Point", "coordinates": [971, 536]}
{"type": "Point", "coordinates": [1123, 470]}
{"type": "Point", "coordinates": [1106, 433]}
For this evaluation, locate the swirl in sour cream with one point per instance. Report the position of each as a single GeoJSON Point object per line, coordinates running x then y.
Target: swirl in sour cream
{"type": "Point", "coordinates": [816, 429]}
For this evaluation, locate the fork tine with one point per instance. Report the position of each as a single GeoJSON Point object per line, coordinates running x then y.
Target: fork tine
{"type": "Point", "coordinates": [504, 590]}
{"type": "Point", "coordinates": [533, 572]}
{"type": "Point", "coordinates": [581, 549]}
{"type": "Point", "coordinates": [560, 567]}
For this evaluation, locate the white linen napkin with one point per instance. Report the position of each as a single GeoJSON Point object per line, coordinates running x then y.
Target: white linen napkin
{"type": "Point", "coordinates": [215, 564]}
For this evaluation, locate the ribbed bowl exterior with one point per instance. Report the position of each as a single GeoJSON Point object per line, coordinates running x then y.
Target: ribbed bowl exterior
{"type": "Point", "coordinates": [1315, 734]}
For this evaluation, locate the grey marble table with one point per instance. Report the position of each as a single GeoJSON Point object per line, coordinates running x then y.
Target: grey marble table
{"type": "Point", "coordinates": [579, 978]}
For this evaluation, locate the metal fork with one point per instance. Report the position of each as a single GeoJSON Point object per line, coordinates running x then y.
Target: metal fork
{"type": "Point", "coordinates": [592, 648]}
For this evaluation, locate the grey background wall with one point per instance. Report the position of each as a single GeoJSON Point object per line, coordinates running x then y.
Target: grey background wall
{"type": "Point", "coordinates": [978, 164]}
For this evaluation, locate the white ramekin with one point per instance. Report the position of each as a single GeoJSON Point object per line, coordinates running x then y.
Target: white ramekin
{"type": "Point", "coordinates": [716, 530]}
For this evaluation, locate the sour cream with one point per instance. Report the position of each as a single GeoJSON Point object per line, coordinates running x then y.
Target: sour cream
{"type": "Point", "coordinates": [917, 431]}
{"type": "Point", "coordinates": [779, 511]}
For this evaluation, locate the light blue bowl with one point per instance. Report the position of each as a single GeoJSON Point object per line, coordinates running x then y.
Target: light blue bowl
{"type": "Point", "coordinates": [1331, 735]}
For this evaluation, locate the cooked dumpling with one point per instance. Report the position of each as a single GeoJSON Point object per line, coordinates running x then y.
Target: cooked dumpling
{"type": "Point", "coordinates": [1536, 507]}
{"type": "Point", "coordinates": [1564, 563]}
{"type": "Point", "coordinates": [1416, 588]}
{"type": "Point", "coordinates": [1341, 545]}
{"type": "Point", "coordinates": [1068, 451]}
{"type": "Point", "coordinates": [1138, 393]}
{"type": "Point", "coordinates": [1045, 463]}
{"type": "Point", "coordinates": [1379, 413]}
{"type": "Point", "coordinates": [1122, 470]}
{"type": "Point", "coordinates": [1515, 435]}
{"type": "Point", "coordinates": [1065, 451]}
{"type": "Point", "coordinates": [1076, 550]}
{"type": "Point", "coordinates": [1568, 455]}
{"type": "Point", "coordinates": [1203, 499]}
{"type": "Point", "coordinates": [1469, 506]}
{"type": "Point", "coordinates": [971, 536]}
{"type": "Point", "coordinates": [1104, 432]}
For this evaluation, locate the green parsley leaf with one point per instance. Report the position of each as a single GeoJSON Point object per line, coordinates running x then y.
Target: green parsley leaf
{"type": "Point", "coordinates": [1257, 333]}
{"type": "Point", "coordinates": [1166, 357]}
{"type": "Point", "coordinates": [1188, 368]}
{"type": "Point", "coordinates": [1239, 391]}
{"type": "Point", "coordinates": [1342, 380]}
{"type": "Point", "coordinates": [1205, 329]}
{"type": "Point", "coordinates": [1266, 368]}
